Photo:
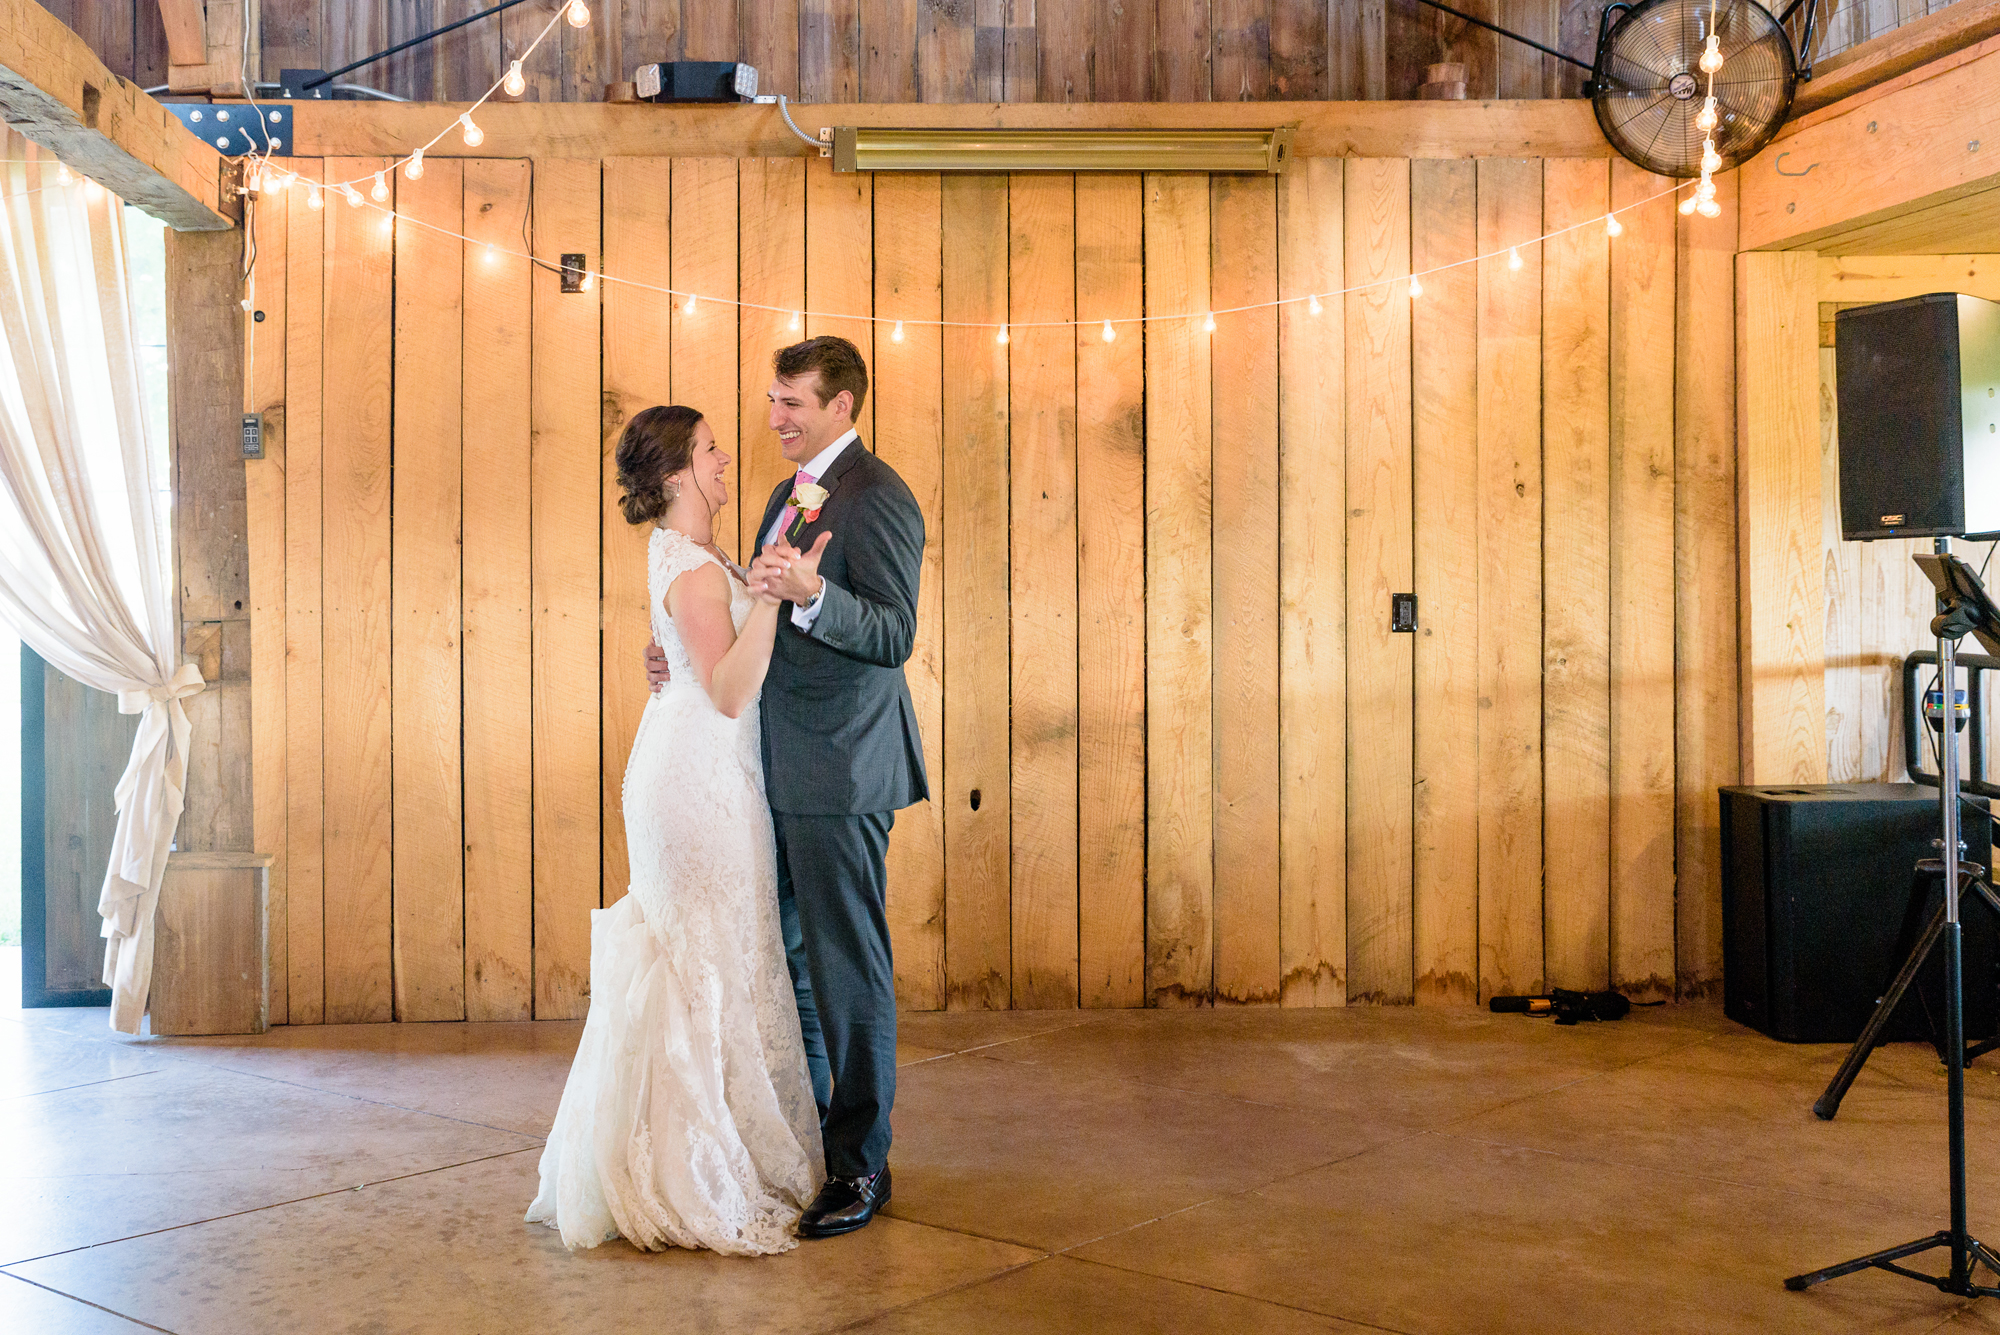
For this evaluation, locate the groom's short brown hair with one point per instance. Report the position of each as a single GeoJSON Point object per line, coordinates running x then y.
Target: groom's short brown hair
{"type": "Point", "coordinates": [838, 362]}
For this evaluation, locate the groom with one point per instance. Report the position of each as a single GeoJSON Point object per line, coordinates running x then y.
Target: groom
{"type": "Point", "coordinates": [841, 751]}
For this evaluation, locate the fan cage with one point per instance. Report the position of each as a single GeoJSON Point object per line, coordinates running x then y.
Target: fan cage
{"type": "Point", "coordinates": [1647, 87]}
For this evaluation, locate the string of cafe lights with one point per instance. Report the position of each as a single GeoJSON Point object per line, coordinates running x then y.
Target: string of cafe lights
{"type": "Point", "coordinates": [261, 177]}
{"type": "Point", "coordinates": [690, 302]}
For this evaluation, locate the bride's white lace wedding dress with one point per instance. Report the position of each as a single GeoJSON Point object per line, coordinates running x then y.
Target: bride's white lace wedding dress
{"type": "Point", "coordinates": [688, 1119]}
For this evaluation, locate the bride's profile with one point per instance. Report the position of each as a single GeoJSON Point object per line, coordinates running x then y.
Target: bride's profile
{"type": "Point", "coordinates": [688, 1118]}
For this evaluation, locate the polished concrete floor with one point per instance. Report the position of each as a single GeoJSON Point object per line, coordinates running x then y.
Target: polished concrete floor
{"type": "Point", "coordinates": [1222, 1171]}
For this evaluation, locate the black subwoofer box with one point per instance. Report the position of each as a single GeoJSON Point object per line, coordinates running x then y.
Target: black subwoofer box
{"type": "Point", "coordinates": [1816, 888]}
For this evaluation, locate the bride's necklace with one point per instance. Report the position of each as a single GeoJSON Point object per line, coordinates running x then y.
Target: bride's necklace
{"type": "Point", "coordinates": [742, 575]}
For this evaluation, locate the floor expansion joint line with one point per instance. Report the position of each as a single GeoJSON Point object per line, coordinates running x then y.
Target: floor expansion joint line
{"type": "Point", "coordinates": [1249, 1297]}
{"type": "Point", "coordinates": [1246, 1191]}
{"type": "Point", "coordinates": [1656, 1170]}
{"type": "Point", "coordinates": [122, 1316]}
{"type": "Point", "coordinates": [356, 1098]}
{"type": "Point", "coordinates": [1018, 1038]}
{"type": "Point", "coordinates": [87, 1084]}
{"type": "Point", "coordinates": [6, 1267]}
{"type": "Point", "coordinates": [176, 1055]}
{"type": "Point", "coordinates": [941, 1293]}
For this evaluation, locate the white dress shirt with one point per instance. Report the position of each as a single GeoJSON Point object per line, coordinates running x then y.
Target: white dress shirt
{"type": "Point", "coordinates": [815, 468]}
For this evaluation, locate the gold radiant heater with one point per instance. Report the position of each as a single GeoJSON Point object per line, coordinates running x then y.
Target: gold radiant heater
{"type": "Point", "coordinates": [874, 149]}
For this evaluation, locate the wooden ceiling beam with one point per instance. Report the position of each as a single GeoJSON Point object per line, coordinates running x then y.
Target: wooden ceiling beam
{"type": "Point", "coordinates": [1897, 52]}
{"type": "Point", "coordinates": [187, 31]}
{"type": "Point", "coordinates": [57, 93]}
{"type": "Point", "coordinates": [1926, 142]}
{"type": "Point", "coordinates": [1552, 129]}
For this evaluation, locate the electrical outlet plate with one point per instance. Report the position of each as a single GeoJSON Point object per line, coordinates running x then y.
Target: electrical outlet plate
{"type": "Point", "coordinates": [1403, 613]}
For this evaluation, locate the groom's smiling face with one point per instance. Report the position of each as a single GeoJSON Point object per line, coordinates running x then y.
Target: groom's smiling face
{"type": "Point", "coordinates": [805, 426]}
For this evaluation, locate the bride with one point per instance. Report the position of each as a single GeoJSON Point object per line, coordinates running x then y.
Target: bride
{"type": "Point", "coordinates": [688, 1119]}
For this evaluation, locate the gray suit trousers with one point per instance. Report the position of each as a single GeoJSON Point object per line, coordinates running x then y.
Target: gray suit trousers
{"type": "Point", "coordinates": [832, 890]}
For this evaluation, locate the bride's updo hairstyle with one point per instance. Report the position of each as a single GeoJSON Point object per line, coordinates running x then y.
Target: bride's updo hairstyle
{"type": "Point", "coordinates": [656, 444]}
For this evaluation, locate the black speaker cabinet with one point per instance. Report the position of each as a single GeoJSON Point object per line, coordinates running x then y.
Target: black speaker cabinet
{"type": "Point", "coordinates": [1815, 891]}
{"type": "Point", "coordinates": [1918, 383]}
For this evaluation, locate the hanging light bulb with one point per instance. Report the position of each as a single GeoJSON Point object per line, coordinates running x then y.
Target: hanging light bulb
{"type": "Point", "coordinates": [896, 334]}
{"type": "Point", "coordinates": [589, 281]}
{"type": "Point", "coordinates": [492, 253]}
{"type": "Point", "coordinates": [92, 191]}
{"type": "Point", "coordinates": [1109, 332]}
{"type": "Point", "coordinates": [313, 201]}
{"type": "Point", "coordinates": [1416, 287]}
{"type": "Point", "coordinates": [1208, 324]}
{"type": "Point", "coordinates": [578, 14]}
{"type": "Point", "coordinates": [64, 176]}
{"type": "Point", "coordinates": [1711, 56]}
{"type": "Point", "coordinates": [414, 168]}
{"type": "Point", "coordinates": [388, 224]}
{"type": "Point", "coordinates": [1689, 205]}
{"type": "Point", "coordinates": [353, 196]}
{"type": "Point", "coordinates": [687, 307]}
{"type": "Point", "coordinates": [1705, 191]}
{"type": "Point", "coordinates": [516, 83]}
{"type": "Point", "coordinates": [1612, 227]}
{"type": "Point", "coordinates": [1711, 161]}
{"type": "Point", "coordinates": [794, 325]}
{"type": "Point", "coordinates": [474, 136]}
{"type": "Point", "coordinates": [1708, 117]}
{"type": "Point", "coordinates": [1708, 208]}
{"type": "Point", "coordinates": [1514, 258]}
{"type": "Point", "coordinates": [1312, 305]}
{"type": "Point", "coordinates": [1001, 337]}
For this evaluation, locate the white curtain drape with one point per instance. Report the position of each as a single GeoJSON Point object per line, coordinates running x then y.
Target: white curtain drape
{"type": "Point", "coordinates": [86, 572]}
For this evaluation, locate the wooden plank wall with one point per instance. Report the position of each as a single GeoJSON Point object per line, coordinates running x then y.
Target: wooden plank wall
{"type": "Point", "coordinates": [1178, 755]}
{"type": "Point", "coordinates": [897, 51]}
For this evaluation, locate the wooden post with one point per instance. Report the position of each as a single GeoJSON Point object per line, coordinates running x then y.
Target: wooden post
{"type": "Point", "coordinates": [211, 546]}
{"type": "Point", "coordinates": [1783, 605]}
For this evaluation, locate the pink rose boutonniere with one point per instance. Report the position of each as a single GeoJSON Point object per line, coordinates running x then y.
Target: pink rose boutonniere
{"type": "Point", "coordinates": [806, 501]}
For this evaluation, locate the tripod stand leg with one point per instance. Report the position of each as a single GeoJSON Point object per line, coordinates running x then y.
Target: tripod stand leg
{"type": "Point", "coordinates": [1857, 1056]}
{"type": "Point", "coordinates": [1798, 1282]}
{"type": "Point", "coordinates": [1976, 1050]}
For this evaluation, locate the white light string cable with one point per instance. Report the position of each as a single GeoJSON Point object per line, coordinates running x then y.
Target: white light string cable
{"type": "Point", "coordinates": [1312, 300]}
{"type": "Point", "coordinates": [513, 82]}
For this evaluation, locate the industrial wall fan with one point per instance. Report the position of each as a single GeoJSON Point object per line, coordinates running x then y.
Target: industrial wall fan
{"type": "Point", "coordinates": [1648, 85]}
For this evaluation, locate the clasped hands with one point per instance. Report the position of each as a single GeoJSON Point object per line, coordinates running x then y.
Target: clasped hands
{"type": "Point", "coordinates": [781, 573]}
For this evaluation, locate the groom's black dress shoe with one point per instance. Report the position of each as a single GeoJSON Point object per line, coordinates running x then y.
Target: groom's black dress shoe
{"type": "Point", "coordinates": [845, 1204]}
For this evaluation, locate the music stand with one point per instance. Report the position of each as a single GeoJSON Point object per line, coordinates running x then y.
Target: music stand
{"type": "Point", "coordinates": [1963, 608]}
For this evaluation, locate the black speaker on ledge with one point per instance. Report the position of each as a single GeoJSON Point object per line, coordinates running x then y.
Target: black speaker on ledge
{"type": "Point", "coordinates": [1816, 904]}
{"type": "Point", "coordinates": [1918, 384]}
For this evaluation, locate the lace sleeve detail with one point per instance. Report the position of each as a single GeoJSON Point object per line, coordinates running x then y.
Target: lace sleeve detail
{"type": "Point", "coordinates": [670, 554]}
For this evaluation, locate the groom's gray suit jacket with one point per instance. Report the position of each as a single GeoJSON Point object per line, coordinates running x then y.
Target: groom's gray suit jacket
{"type": "Point", "coordinates": [840, 733]}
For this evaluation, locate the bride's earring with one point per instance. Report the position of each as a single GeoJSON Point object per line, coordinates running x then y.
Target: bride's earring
{"type": "Point", "coordinates": [673, 491]}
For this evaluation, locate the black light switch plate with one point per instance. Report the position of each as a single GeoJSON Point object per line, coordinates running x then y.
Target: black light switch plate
{"type": "Point", "coordinates": [1403, 613]}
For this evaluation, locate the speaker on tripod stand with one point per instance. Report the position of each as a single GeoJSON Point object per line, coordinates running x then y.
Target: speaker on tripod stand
{"type": "Point", "coordinates": [1919, 392]}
